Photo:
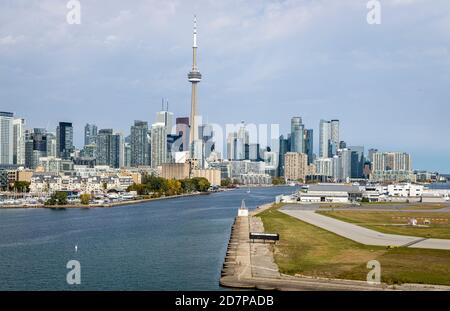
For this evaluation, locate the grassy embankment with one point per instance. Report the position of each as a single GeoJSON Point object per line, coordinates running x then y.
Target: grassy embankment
{"type": "Point", "coordinates": [308, 250]}
{"type": "Point", "coordinates": [396, 222]}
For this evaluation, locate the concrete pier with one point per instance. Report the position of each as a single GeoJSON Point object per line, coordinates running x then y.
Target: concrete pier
{"type": "Point", "coordinates": [250, 265]}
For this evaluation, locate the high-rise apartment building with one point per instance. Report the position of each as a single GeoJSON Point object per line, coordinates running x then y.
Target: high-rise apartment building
{"type": "Point", "coordinates": [295, 166]}
{"type": "Point", "coordinates": [324, 138]}
{"type": "Point", "coordinates": [328, 138]}
{"type": "Point", "coordinates": [90, 134]}
{"type": "Point", "coordinates": [6, 138]}
{"type": "Point", "coordinates": [158, 144]}
{"type": "Point", "coordinates": [139, 144]}
{"type": "Point", "coordinates": [309, 145]}
{"type": "Point", "coordinates": [283, 149]}
{"type": "Point", "coordinates": [392, 167]}
{"type": "Point", "coordinates": [297, 135]}
{"type": "Point", "coordinates": [19, 141]}
{"type": "Point", "coordinates": [110, 148]}
{"type": "Point", "coordinates": [64, 140]}
{"type": "Point", "coordinates": [334, 136]}
{"type": "Point", "coordinates": [51, 145]}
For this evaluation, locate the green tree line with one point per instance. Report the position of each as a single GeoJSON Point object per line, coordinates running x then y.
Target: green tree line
{"type": "Point", "coordinates": [158, 186]}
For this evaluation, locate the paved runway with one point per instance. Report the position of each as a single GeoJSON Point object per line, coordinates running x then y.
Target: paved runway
{"type": "Point", "coordinates": [363, 235]}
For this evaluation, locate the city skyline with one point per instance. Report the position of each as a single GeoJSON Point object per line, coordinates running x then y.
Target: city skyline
{"type": "Point", "coordinates": [419, 119]}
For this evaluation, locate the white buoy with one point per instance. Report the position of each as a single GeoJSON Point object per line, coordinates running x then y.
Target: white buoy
{"type": "Point", "coordinates": [76, 248]}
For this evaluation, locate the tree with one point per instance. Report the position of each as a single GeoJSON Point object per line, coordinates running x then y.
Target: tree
{"type": "Point", "coordinates": [173, 187]}
{"type": "Point", "coordinates": [201, 184]}
{"type": "Point", "coordinates": [85, 198]}
{"type": "Point", "coordinates": [57, 198]}
{"type": "Point", "coordinates": [21, 186]}
{"type": "Point", "coordinates": [140, 189]}
{"type": "Point", "coordinates": [225, 182]}
{"type": "Point", "coordinates": [278, 181]}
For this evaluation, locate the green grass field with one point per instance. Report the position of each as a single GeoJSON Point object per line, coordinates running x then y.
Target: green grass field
{"type": "Point", "coordinates": [387, 222]}
{"type": "Point", "coordinates": [308, 250]}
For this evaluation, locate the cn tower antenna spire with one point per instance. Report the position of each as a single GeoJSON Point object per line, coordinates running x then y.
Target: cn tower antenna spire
{"type": "Point", "coordinates": [194, 45]}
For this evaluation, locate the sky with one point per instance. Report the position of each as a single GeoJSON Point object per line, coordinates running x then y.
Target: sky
{"type": "Point", "coordinates": [262, 62]}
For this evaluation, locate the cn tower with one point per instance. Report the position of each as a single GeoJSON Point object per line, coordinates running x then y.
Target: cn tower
{"type": "Point", "coordinates": [194, 76]}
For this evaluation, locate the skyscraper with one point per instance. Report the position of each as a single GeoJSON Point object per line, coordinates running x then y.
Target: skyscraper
{"type": "Point", "coordinates": [166, 117]}
{"type": "Point", "coordinates": [90, 134]}
{"type": "Point", "coordinates": [309, 145]}
{"type": "Point", "coordinates": [139, 144]}
{"type": "Point", "coordinates": [334, 136]}
{"type": "Point", "coordinates": [182, 128]}
{"type": "Point", "coordinates": [194, 77]}
{"type": "Point", "coordinates": [19, 141]}
{"type": "Point", "coordinates": [328, 138]}
{"type": "Point", "coordinates": [64, 140]}
{"type": "Point", "coordinates": [51, 145]}
{"type": "Point", "coordinates": [283, 149]}
{"type": "Point", "coordinates": [324, 138]}
{"type": "Point", "coordinates": [110, 148]}
{"type": "Point", "coordinates": [158, 144]}
{"type": "Point", "coordinates": [6, 138]}
{"type": "Point", "coordinates": [357, 161]}
{"type": "Point", "coordinates": [297, 135]}
{"type": "Point", "coordinates": [35, 146]}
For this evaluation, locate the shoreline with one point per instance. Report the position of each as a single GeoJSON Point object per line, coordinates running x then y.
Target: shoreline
{"type": "Point", "coordinates": [105, 205]}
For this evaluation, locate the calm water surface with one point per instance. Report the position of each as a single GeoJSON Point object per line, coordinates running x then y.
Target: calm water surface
{"type": "Point", "coordinates": [176, 244]}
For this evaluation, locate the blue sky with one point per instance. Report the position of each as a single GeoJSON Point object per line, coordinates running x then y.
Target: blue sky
{"type": "Point", "coordinates": [262, 61]}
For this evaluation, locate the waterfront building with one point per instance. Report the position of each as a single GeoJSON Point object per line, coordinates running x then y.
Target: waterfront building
{"type": "Point", "coordinates": [212, 175]}
{"type": "Point", "coordinates": [392, 166]}
{"type": "Point", "coordinates": [296, 166]}
{"type": "Point", "coordinates": [19, 141]}
{"type": "Point", "coordinates": [50, 182]}
{"type": "Point", "coordinates": [64, 140]}
{"type": "Point", "coordinates": [175, 170]}
{"type": "Point", "coordinates": [139, 144]}
{"type": "Point", "coordinates": [90, 134]}
{"type": "Point", "coordinates": [324, 167]}
{"type": "Point", "coordinates": [330, 193]}
{"type": "Point", "coordinates": [255, 179]}
{"type": "Point", "coordinates": [6, 138]}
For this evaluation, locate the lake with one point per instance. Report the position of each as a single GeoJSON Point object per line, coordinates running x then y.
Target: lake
{"type": "Point", "coordinates": [174, 244]}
